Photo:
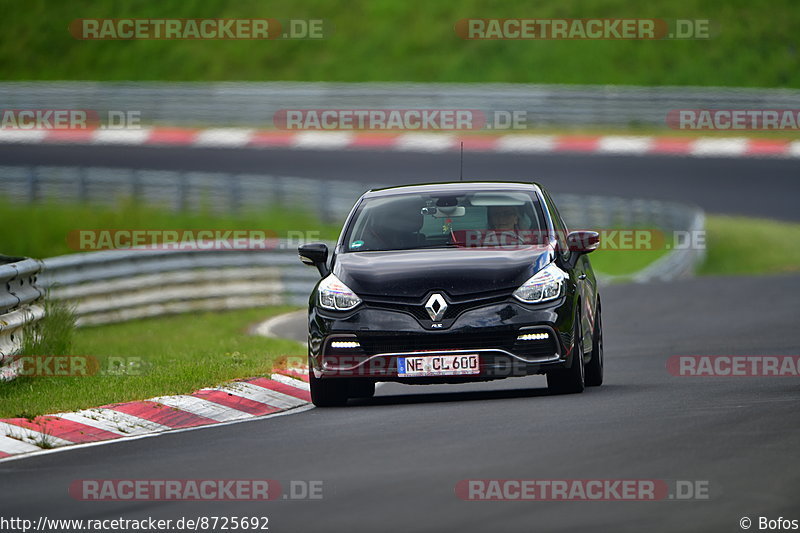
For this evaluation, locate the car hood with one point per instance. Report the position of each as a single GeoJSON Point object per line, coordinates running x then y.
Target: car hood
{"type": "Point", "coordinates": [456, 271]}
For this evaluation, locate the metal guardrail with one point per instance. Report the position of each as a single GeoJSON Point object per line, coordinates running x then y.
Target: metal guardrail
{"type": "Point", "coordinates": [20, 297]}
{"type": "Point", "coordinates": [331, 200]}
{"type": "Point", "coordinates": [255, 103]}
{"type": "Point", "coordinates": [118, 285]}
{"type": "Point", "coordinates": [179, 190]}
{"type": "Point", "coordinates": [679, 263]}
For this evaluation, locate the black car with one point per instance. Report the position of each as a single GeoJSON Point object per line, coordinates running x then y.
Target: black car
{"type": "Point", "coordinates": [451, 283]}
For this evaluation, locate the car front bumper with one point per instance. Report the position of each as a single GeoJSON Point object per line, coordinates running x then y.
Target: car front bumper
{"type": "Point", "coordinates": [492, 332]}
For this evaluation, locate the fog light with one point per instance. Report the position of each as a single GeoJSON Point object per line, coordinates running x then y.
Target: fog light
{"type": "Point", "coordinates": [533, 337]}
{"type": "Point", "coordinates": [345, 344]}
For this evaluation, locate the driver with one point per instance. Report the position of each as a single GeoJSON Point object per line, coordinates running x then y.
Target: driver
{"type": "Point", "coordinates": [503, 217]}
{"type": "Point", "coordinates": [503, 226]}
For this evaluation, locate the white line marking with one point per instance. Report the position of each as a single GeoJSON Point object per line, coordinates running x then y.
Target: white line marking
{"type": "Point", "coordinates": [425, 142]}
{"type": "Point", "coordinates": [224, 137]}
{"type": "Point", "coordinates": [22, 136]}
{"type": "Point", "coordinates": [272, 325]}
{"type": "Point", "coordinates": [14, 446]}
{"type": "Point", "coordinates": [113, 421]}
{"type": "Point", "coordinates": [139, 136]}
{"type": "Point", "coordinates": [30, 436]}
{"type": "Point", "coordinates": [286, 380]}
{"type": "Point", "coordinates": [201, 407]}
{"type": "Point", "coordinates": [262, 395]}
{"type": "Point", "coordinates": [613, 144]}
{"type": "Point", "coordinates": [329, 140]}
{"type": "Point", "coordinates": [718, 147]}
{"type": "Point", "coordinates": [526, 143]}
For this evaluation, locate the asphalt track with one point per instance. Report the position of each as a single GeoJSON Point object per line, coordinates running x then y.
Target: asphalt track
{"type": "Point", "coordinates": [392, 463]}
{"type": "Point", "coordinates": [762, 187]}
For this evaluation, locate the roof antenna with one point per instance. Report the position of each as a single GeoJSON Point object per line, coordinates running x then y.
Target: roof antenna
{"type": "Point", "coordinates": [461, 172]}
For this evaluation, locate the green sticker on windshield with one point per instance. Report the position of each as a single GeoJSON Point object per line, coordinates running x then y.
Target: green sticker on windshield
{"type": "Point", "coordinates": [356, 244]}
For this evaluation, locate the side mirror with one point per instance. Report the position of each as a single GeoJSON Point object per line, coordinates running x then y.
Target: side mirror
{"type": "Point", "coordinates": [583, 242]}
{"type": "Point", "coordinates": [315, 254]}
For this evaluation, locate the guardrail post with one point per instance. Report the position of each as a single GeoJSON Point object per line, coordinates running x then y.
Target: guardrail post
{"type": "Point", "coordinates": [33, 185]}
{"type": "Point", "coordinates": [279, 195]}
{"type": "Point", "coordinates": [324, 199]}
{"type": "Point", "coordinates": [20, 307]}
{"type": "Point", "coordinates": [136, 185]}
{"type": "Point", "coordinates": [183, 192]}
{"type": "Point", "coordinates": [83, 186]}
{"type": "Point", "coordinates": [235, 192]}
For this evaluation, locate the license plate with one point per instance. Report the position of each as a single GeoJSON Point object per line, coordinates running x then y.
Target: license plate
{"type": "Point", "coordinates": [437, 365]}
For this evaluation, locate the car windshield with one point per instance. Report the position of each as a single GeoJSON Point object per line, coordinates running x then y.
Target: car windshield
{"type": "Point", "coordinates": [479, 219]}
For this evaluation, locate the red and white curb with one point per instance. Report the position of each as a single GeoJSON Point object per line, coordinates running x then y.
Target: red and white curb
{"type": "Point", "coordinates": [414, 142]}
{"type": "Point", "coordinates": [235, 401]}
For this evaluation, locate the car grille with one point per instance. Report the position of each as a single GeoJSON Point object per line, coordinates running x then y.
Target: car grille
{"type": "Point", "coordinates": [376, 343]}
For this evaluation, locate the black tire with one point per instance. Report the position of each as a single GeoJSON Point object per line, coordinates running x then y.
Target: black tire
{"type": "Point", "coordinates": [570, 380]}
{"type": "Point", "coordinates": [327, 392]}
{"type": "Point", "coordinates": [361, 388]}
{"type": "Point", "coordinates": [594, 370]}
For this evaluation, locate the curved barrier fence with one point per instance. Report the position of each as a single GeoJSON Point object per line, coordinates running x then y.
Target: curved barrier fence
{"type": "Point", "coordinates": [20, 305]}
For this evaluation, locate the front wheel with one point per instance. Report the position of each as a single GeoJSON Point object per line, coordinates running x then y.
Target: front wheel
{"type": "Point", "coordinates": [570, 380]}
{"type": "Point", "coordinates": [327, 392]}
{"type": "Point", "coordinates": [594, 370]}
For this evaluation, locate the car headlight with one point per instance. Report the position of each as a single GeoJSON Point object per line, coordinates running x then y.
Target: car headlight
{"type": "Point", "coordinates": [335, 295]}
{"type": "Point", "coordinates": [546, 285]}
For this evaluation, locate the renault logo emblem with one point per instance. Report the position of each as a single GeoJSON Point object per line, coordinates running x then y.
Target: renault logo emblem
{"type": "Point", "coordinates": [436, 306]}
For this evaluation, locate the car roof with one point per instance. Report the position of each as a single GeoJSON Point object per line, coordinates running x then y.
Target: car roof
{"type": "Point", "coordinates": [446, 186]}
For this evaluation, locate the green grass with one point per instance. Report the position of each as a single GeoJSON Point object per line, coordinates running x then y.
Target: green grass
{"type": "Point", "coordinates": [734, 246]}
{"type": "Point", "coordinates": [166, 355]}
{"type": "Point", "coordinates": [53, 334]}
{"type": "Point", "coordinates": [48, 236]}
{"type": "Point", "coordinates": [739, 245]}
{"type": "Point", "coordinates": [388, 40]}
{"type": "Point", "coordinates": [623, 262]}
